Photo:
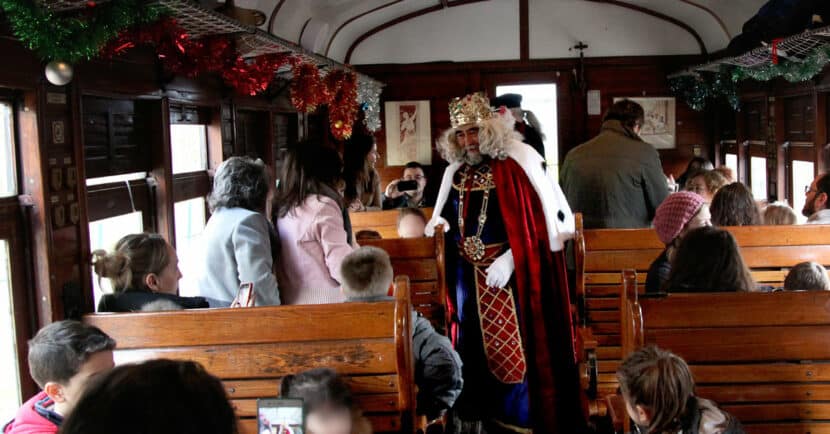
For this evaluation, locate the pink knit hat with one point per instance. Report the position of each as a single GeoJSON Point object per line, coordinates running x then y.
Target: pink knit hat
{"type": "Point", "coordinates": [673, 214]}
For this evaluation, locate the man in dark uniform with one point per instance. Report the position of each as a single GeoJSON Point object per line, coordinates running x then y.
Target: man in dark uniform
{"type": "Point", "coordinates": [532, 137]}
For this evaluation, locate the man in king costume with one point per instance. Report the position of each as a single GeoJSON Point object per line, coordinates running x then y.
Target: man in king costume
{"type": "Point", "coordinates": [509, 302]}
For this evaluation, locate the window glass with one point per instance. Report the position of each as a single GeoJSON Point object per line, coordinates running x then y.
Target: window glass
{"type": "Point", "coordinates": [188, 146]}
{"type": "Point", "coordinates": [802, 177]}
{"type": "Point", "coordinates": [116, 178]}
{"type": "Point", "coordinates": [758, 173]}
{"type": "Point", "coordinates": [190, 223]}
{"type": "Point", "coordinates": [9, 381]}
{"type": "Point", "coordinates": [731, 161]}
{"type": "Point", "coordinates": [103, 234]}
{"type": "Point", "coordinates": [541, 100]}
{"type": "Point", "coordinates": [8, 174]}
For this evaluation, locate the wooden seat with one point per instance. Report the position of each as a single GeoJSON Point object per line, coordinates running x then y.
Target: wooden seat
{"type": "Point", "coordinates": [423, 261]}
{"type": "Point", "coordinates": [601, 254]}
{"type": "Point", "coordinates": [384, 222]}
{"type": "Point", "coordinates": [251, 349]}
{"type": "Point", "coordinates": [763, 357]}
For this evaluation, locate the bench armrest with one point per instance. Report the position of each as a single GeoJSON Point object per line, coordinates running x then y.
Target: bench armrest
{"type": "Point", "coordinates": [587, 356]}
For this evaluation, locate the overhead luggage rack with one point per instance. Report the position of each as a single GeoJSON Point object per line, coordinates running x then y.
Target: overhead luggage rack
{"type": "Point", "coordinates": [251, 41]}
{"type": "Point", "coordinates": [793, 48]}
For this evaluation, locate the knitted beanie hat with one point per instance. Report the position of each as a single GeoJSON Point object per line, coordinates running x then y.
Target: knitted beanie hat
{"type": "Point", "coordinates": [673, 214]}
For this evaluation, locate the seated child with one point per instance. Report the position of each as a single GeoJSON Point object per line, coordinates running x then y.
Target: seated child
{"type": "Point", "coordinates": [143, 269]}
{"type": "Point", "coordinates": [807, 276]}
{"type": "Point", "coordinates": [63, 357]}
{"type": "Point", "coordinates": [411, 223]}
{"type": "Point", "coordinates": [367, 234]}
{"type": "Point", "coordinates": [367, 276]}
{"type": "Point", "coordinates": [159, 397]}
{"type": "Point", "coordinates": [658, 390]}
{"type": "Point", "coordinates": [328, 402]}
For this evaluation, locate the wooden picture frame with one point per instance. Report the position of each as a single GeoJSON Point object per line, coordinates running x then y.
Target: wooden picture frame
{"type": "Point", "coordinates": [408, 132]}
{"type": "Point", "coordinates": [660, 126]}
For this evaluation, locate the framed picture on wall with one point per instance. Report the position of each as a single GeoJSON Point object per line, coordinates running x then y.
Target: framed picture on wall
{"type": "Point", "coordinates": [408, 133]}
{"type": "Point", "coordinates": [659, 128]}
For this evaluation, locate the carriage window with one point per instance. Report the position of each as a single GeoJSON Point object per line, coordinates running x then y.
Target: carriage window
{"type": "Point", "coordinates": [8, 175]}
{"type": "Point", "coordinates": [541, 100]}
{"type": "Point", "coordinates": [802, 177]}
{"type": "Point", "coordinates": [190, 222]}
{"type": "Point", "coordinates": [188, 145]}
{"type": "Point", "coordinates": [731, 161]}
{"type": "Point", "coordinates": [103, 234]}
{"type": "Point", "coordinates": [758, 177]}
{"type": "Point", "coordinates": [115, 178]}
{"type": "Point", "coordinates": [9, 382]}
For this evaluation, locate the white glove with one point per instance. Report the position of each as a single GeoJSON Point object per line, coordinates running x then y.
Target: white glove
{"type": "Point", "coordinates": [429, 229]}
{"type": "Point", "coordinates": [499, 272]}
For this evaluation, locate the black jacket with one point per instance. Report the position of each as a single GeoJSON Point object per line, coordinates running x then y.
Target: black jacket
{"type": "Point", "coordinates": [133, 301]}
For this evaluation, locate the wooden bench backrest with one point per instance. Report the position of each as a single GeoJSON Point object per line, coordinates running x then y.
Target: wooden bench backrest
{"type": "Point", "coordinates": [601, 255]}
{"type": "Point", "coordinates": [251, 349]}
{"type": "Point", "coordinates": [762, 356]}
{"type": "Point", "coordinates": [384, 222]}
{"type": "Point", "coordinates": [423, 261]}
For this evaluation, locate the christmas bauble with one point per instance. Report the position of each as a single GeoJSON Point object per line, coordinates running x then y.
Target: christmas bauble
{"type": "Point", "coordinates": [59, 73]}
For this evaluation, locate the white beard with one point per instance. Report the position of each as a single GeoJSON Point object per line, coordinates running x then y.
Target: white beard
{"type": "Point", "coordinates": [472, 159]}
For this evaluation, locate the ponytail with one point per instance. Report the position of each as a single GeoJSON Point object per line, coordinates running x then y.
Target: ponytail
{"type": "Point", "coordinates": [135, 256]}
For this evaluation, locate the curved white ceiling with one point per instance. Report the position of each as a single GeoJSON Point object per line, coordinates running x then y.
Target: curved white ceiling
{"type": "Point", "coordinates": [489, 30]}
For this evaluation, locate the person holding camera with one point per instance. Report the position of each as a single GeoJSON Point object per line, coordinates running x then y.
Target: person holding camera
{"type": "Point", "coordinates": [407, 192]}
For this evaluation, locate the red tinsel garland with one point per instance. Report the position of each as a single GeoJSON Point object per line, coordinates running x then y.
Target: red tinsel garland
{"type": "Point", "coordinates": [307, 88]}
{"type": "Point", "coordinates": [342, 86]}
{"type": "Point", "coordinates": [253, 77]}
{"type": "Point", "coordinates": [182, 55]}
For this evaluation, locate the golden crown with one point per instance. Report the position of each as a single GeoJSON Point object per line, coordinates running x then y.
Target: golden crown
{"type": "Point", "coordinates": [470, 109]}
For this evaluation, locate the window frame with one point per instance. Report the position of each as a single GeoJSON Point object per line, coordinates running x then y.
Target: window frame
{"type": "Point", "coordinates": [15, 229]}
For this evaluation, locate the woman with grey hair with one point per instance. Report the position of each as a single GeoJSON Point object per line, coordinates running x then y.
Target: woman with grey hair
{"type": "Point", "coordinates": [237, 238]}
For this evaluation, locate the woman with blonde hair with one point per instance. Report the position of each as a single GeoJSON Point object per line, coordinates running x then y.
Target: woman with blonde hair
{"type": "Point", "coordinates": [144, 271]}
{"type": "Point", "coordinates": [779, 213]}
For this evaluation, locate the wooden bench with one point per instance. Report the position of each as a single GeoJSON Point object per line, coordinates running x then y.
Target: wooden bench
{"type": "Point", "coordinates": [384, 222]}
{"type": "Point", "coordinates": [423, 261]}
{"type": "Point", "coordinates": [601, 254]}
{"type": "Point", "coordinates": [251, 349]}
{"type": "Point", "coordinates": [763, 357]}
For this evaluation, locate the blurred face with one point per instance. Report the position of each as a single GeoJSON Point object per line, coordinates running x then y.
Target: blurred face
{"type": "Point", "coordinates": [373, 155]}
{"type": "Point", "coordinates": [166, 282]}
{"type": "Point", "coordinates": [698, 185]}
{"type": "Point", "coordinates": [467, 138]}
{"type": "Point", "coordinates": [638, 415]}
{"type": "Point", "coordinates": [411, 226]}
{"type": "Point", "coordinates": [329, 421]}
{"type": "Point", "coordinates": [815, 201]}
{"type": "Point", "coordinates": [415, 174]}
{"type": "Point", "coordinates": [67, 395]}
{"type": "Point", "coordinates": [701, 219]}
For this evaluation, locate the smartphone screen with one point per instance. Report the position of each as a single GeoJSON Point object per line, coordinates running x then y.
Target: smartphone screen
{"type": "Point", "coordinates": [407, 185]}
{"type": "Point", "coordinates": [280, 416]}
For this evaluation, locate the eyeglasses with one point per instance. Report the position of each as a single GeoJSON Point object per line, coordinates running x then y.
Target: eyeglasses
{"type": "Point", "coordinates": [808, 190]}
{"type": "Point", "coordinates": [414, 178]}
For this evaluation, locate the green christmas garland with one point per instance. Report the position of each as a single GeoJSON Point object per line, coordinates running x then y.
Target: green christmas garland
{"type": "Point", "coordinates": [791, 70]}
{"type": "Point", "coordinates": [700, 89]}
{"type": "Point", "coordinates": [75, 37]}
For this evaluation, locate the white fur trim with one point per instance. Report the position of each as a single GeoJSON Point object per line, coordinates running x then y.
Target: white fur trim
{"type": "Point", "coordinates": [550, 194]}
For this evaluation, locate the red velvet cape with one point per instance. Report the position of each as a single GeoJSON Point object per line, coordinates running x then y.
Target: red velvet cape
{"type": "Point", "coordinates": [544, 303]}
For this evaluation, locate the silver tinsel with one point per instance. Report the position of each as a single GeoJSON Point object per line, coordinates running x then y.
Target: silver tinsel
{"type": "Point", "coordinates": [368, 95]}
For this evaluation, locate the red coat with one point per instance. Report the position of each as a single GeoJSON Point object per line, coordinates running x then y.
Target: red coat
{"type": "Point", "coordinates": [29, 419]}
